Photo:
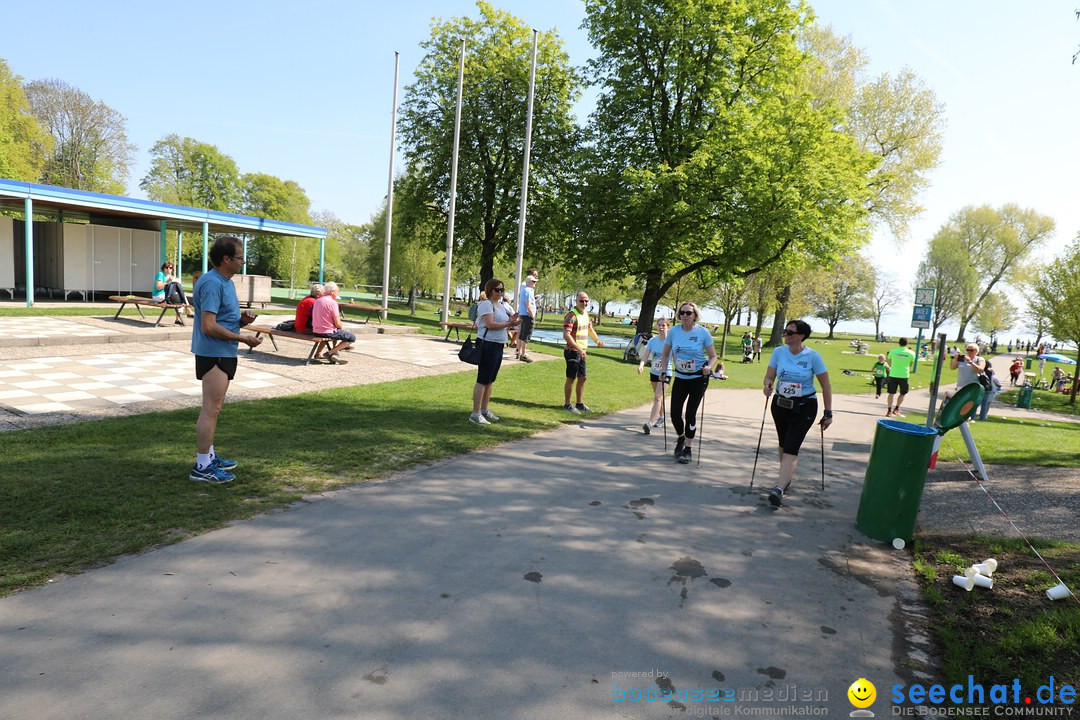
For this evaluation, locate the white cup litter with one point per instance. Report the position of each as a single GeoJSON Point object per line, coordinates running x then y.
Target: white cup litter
{"type": "Point", "coordinates": [970, 572]}
{"type": "Point", "coordinates": [898, 543]}
{"type": "Point", "coordinates": [1058, 592]}
{"type": "Point", "coordinates": [984, 568]}
{"type": "Point", "coordinates": [983, 581]}
{"type": "Point", "coordinates": [966, 582]}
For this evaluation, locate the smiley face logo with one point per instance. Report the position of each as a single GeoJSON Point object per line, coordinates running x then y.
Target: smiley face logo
{"type": "Point", "coordinates": [862, 693]}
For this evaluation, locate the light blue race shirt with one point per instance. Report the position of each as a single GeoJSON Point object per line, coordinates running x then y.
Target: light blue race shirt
{"type": "Point", "coordinates": [687, 352]}
{"type": "Point", "coordinates": [795, 373]}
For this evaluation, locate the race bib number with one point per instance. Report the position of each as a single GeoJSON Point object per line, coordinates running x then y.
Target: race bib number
{"type": "Point", "coordinates": [686, 366]}
{"type": "Point", "coordinates": [790, 389]}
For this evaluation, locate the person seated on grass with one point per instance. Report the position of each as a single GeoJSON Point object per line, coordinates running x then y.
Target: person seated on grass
{"type": "Point", "coordinates": [718, 372]}
{"type": "Point", "coordinates": [303, 308]}
{"type": "Point", "coordinates": [1057, 378]}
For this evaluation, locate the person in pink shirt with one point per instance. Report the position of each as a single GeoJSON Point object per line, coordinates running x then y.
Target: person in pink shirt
{"type": "Point", "coordinates": [326, 322]}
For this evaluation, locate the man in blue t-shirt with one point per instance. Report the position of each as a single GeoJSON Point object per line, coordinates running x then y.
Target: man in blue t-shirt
{"type": "Point", "coordinates": [214, 341]}
{"type": "Point", "coordinates": [526, 307]}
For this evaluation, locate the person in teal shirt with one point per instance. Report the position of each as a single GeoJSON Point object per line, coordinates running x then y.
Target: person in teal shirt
{"type": "Point", "coordinates": [689, 347]}
{"type": "Point", "coordinates": [791, 373]}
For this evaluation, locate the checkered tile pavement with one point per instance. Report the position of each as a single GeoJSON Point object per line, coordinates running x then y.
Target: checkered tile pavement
{"type": "Point", "coordinates": [38, 327]}
{"type": "Point", "coordinates": [425, 351]}
{"type": "Point", "coordinates": [65, 384]}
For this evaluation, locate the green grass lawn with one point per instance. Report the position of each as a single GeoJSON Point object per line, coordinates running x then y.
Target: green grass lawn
{"type": "Point", "coordinates": [1014, 441]}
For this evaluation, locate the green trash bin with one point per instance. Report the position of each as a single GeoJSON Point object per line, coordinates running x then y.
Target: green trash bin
{"type": "Point", "coordinates": [1027, 363]}
{"type": "Point", "coordinates": [892, 488]}
{"type": "Point", "coordinates": [1023, 398]}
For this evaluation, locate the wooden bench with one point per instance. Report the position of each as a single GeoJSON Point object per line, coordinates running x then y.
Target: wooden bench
{"type": "Point", "coordinates": [318, 344]}
{"type": "Point", "coordinates": [456, 328]}
{"type": "Point", "coordinates": [139, 302]}
{"type": "Point", "coordinates": [370, 309]}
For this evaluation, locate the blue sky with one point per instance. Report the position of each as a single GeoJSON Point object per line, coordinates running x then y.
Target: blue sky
{"type": "Point", "coordinates": [303, 91]}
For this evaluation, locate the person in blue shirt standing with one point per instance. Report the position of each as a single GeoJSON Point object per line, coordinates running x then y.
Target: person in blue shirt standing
{"type": "Point", "coordinates": [654, 350]}
{"type": "Point", "coordinates": [214, 340]}
{"type": "Point", "coordinates": [791, 372]}
{"type": "Point", "coordinates": [690, 349]}
{"type": "Point", "coordinates": [526, 307]}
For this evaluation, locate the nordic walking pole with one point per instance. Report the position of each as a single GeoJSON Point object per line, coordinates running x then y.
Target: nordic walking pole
{"type": "Point", "coordinates": [822, 458]}
{"type": "Point", "coordinates": [663, 406]}
{"type": "Point", "coordinates": [760, 433]}
{"type": "Point", "coordinates": [701, 421]}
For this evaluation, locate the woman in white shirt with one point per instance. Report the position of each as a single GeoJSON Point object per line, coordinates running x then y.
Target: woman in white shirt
{"type": "Point", "coordinates": [654, 350]}
{"type": "Point", "coordinates": [494, 316]}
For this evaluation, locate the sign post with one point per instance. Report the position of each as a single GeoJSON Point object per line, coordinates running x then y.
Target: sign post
{"type": "Point", "coordinates": [921, 316]}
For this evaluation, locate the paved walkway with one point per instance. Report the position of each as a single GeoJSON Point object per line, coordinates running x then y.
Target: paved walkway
{"type": "Point", "coordinates": [552, 577]}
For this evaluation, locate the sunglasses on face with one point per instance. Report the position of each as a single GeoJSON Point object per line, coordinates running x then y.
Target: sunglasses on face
{"type": "Point", "coordinates": [498, 289]}
{"type": "Point", "coordinates": [791, 332]}
{"type": "Point", "coordinates": [686, 312]}
{"type": "Point", "coordinates": [583, 301]}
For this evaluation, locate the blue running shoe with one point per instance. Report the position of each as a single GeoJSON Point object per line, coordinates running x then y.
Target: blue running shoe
{"type": "Point", "coordinates": [223, 463]}
{"type": "Point", "coordinates": [210, 474]}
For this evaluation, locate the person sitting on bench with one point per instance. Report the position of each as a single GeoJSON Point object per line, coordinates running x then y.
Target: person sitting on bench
{"type": "Point", "coordinates": [303, 309]}
{"type": "Point", "coordinates": [326, 322]}
{"type": "Point", "coordinates": [167, 289]}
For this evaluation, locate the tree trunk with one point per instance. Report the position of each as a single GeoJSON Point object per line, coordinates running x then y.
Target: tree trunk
{"type": "Point", "coordinates": [723, 337]}
{"type": "Point", "coordinates": [650, 298]}
{"type": "Point", "coordinates": [1076, 379]}
{"type": "Point", "coordinates": [412, 299]}
{"type": "Point", "coordinates": [782, 300]}
{"type": "Point", "coordinates": [832, 326]}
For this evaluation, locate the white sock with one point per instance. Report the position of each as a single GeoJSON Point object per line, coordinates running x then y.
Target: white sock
{"type": "Point", "coordinates": [202, 460]}
{"type": "Point", "coordinates": [212, 453]}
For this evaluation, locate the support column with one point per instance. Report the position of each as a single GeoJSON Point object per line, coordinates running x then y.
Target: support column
{"type": "Point", "coordinates": [205, 246]}
{"type": "Point", "coordinates": [28, 210]}
{"type": "Point", "coordinates": [244, 270]}
{"type": "Point", "coordinates": [322, 257]}
{"type": "Point", "coordinates": [164, 247]}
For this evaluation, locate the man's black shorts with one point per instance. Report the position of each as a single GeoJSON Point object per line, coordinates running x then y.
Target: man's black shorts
{"type": "Point", "coordinates": [204, 364]}
{"type": "Point", "coordinates": [575, 364]}
{"type": "Point", "coordinates": [894, 383]}
{"type": "Point", "coordinates": [525, 331]}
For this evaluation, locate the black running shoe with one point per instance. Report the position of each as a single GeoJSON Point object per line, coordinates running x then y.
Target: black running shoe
{"type": "Point", "coordinates": [776, 497]}
{"type": "Point", "coordinates": [679, 447]}
{"type": "Point", "coordinates": [685, 457]}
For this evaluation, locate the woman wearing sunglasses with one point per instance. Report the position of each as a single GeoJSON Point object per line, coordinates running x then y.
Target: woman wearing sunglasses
{"type": "Point", "coordinates": [493, 318]}
{"type": "Point", "coordinates": [167, 289]}
{"type": "Point", "coordinates": [690, 348]}
{"type": "Point", "coordinates": [792, 369]}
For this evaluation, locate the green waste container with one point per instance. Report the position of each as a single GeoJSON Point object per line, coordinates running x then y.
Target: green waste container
{"type": "Point", "coordinates": [1023, 398]}
{"type": "Point", "coordinates": [892, 488]}
{"type": "Point", "coordinates": [1027, 363]}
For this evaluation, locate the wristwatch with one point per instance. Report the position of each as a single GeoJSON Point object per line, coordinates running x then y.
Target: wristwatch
{"type": "Point", "coordinates": [827, 415]}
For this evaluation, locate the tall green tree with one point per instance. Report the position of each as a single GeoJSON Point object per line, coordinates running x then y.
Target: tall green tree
{"type": "Point", "coordinates": [706, 150]}
{"type": "Point", "coordinates": [187, 172]}
{"type": "Point", "coordinates": [497, 66]}
{"type": "Point", "coordinates": [884, 295]}
{"type": "Point", "coordinates": [24, 143]}
{"type": "Point", "coordinates": [414, 266]}
{"type": "Point", "coordinates": [897, 117]}
{"type": "Point", "coordinates": [91, 150]}
{"type": "Point", "coordinates": [976, 250]}
{"type": "Point", "coordinates": [1055, 295]}
{"type": "Point", "coordinates": [842, 292]}
{"type": "Point", "coordinates": [290, 258]}
{"type": "Point", "coordinates": [996, 313]}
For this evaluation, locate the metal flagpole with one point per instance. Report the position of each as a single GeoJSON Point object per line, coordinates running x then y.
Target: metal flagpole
{"type": "Point", "coordinates": [390, 196]}
{"type": "Point", "coordinates": [518, 279]}
{"type": "Point", "coordinates": [453, 190]}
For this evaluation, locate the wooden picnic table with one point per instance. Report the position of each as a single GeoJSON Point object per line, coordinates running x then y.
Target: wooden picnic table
{"type": "Point", "coordinates": [370, 309]}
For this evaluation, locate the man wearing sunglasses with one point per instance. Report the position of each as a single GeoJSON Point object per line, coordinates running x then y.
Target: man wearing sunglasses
{"type": "Point", "coordinates": [577, 329]}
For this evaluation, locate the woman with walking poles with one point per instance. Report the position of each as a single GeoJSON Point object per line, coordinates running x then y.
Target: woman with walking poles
{"type": "Point", "coordinates": [690, 349]}
{"type": "Point", "coordinates": [791, 372]}
{"type": "Point", "coordinates": [654, 350]}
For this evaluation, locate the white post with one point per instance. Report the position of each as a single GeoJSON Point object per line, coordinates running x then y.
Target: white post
{"type": "Point", "coordinates": [453, 190]}
{"type": "Point", "coordinates": [518, 279]}
{"type": "Point", "coordinates": [390, 196]}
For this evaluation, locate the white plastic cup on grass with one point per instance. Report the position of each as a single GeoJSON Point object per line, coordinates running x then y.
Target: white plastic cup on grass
{"type": "Point", "coordinates": [964, 581]}
{"type": "Point", "coordinates": [1058, 592]}
{"type": "Point", "coordinates": [898, 543]}
{"type": "Point", "coordinates": [991, 563]}
{"type": "Point", "coordinates": [983, 581]}
{"type": "Point", "coordinates": [970, 572]}
{"type": "Point", "coordinates": [985, 569]}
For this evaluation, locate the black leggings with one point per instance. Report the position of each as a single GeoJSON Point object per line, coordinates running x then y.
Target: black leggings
{"type": "Point", "coordinates": [792, 425]}
{"type": "Point", "coordinates": [689, 392]}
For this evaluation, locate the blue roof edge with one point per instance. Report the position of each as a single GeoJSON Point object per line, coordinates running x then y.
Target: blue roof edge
{"type": "Point", "coordinates": [86, 199]}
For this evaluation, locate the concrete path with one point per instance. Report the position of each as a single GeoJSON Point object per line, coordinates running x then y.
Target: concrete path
{"type": "Point", "coordinates": [546, 578]}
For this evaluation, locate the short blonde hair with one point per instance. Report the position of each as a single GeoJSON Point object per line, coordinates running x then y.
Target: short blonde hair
{"type": "Point", "coordinates": [881, 358]}
{"type": "Point", "coordinates": [697, 313]}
